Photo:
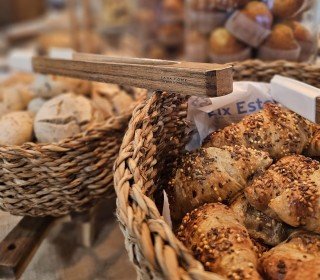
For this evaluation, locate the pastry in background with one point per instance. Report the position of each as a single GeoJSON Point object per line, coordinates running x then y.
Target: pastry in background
{"type": "Point", "coordinates": [16, 128]}
{"type": "Point", "coordinates": [35, 104]}
{"type": "Point", "coordinates": [281, 44]}
{"type": "Point", "coordinates": [296, 259]}
{"type": "Point", "coordinates": [260, 226]}
{"type": "Point", "coordinates": [196, 47]}
{"type": "Point", "coordinates": [252, 24]}
{"type": "Point", "coordinates": [224, 47]}
{"type": "Point", "coordinates": [212, 175]}
{"type": "Point", "coordinates": [304, 38]}
{"type": "Point", "coordinates": [289, 191]}
{"type": "Point", "coordinates": [217, 238]}
{"type": "Point", "coordinates": [286, 8]}
{"type": "Point", "coordinates": [275, 130]}
{"type": "Point", "coordinates": [17, 78]}
{"type": "Point", "coordinates": [51, 86]}
{"type": "Point", "coordinates": [223, 5]}
{"type": "Point", "coordinates": [63, 39]}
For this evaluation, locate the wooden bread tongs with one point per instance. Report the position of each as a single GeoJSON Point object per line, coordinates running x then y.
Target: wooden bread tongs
{"type": "Point", "coordinates": [200, 79]}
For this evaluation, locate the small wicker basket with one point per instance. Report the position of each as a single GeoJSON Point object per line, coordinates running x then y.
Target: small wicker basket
{"type": "Point", "coordinates": [156, 136]}
{"type": "Point", "coordinates": [56, 179]}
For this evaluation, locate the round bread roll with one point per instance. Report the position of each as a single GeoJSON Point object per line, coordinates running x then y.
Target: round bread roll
{"type": "Point", "coordinates": [286, 8]}
{"type": "Point", "coordinates": [35, 104]}
{"type": "Point", "coordinates": [16, 128]}
{"type": "Point", "coordinates": [63, 116]}
{"type": "Point", "coordinates": [51, 86]}
{"type": "Point", "coordinates": [223, 42]}
{"type": "Point", "coordinates": [282, 37]}
{"type": "Point", "coordinates": [14, 98]}
{"type": "Point", "coordinates": [259, 13]}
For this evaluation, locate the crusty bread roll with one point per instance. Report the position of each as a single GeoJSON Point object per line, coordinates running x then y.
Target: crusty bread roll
{"type": "Point", "coordinates": [51, 86]}
{"type": "Point", "coordinates": [212, 175]}
{"type": "Point", "coordinates": [289, 191]}
{"type": "Point", "coordinates": [260, 226]}
{"type": "Point", "coordinates": [275, 130]}
{"type": "Point", "coordinates": [63, 116]}
{"type": "Point", "coordinates": [16, 128]}
{"type": "Point", "coordinates": [217, 238]}
{"type": "Point", "coordinates": [35, 104]}
{"type": "Point", "coordinates": [296, 259]}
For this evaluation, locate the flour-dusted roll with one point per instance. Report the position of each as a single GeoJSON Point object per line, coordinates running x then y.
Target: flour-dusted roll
{"type": "Point", "coordinates": [259, 225]}
{"type": "Point", "coordinates": [63, 116]}
{"type": "Point", "coordinates": [213, 175]}
{"type": "Point", "coordinates": [296, 259]}
{"type": "Point", "coordinates": [290, 192]}
{"type": "Point", "coordinates": [16, 128]}
{"type": "Point", "coordinates": [51, 86]}
{"type": "Point", "coordinates": [217, 238]}
{"type": "Point", "coordinates": [275, 130]}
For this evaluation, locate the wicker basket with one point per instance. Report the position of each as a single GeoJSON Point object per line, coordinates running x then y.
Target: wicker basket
{"type": "Point", "coordinates": [156, 136]}
{"type": "Point", "coordinates": [56, 179]}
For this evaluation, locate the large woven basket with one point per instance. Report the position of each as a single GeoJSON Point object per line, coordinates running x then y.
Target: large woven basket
{"type": "Point", "coordinates": [69, 176]}
{"type": "Point", "coordinates": [155, 137]}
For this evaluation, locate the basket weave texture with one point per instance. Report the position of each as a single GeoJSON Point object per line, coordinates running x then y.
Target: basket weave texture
{"type": "Point", "coordinates": [69, 176]}
{"type": "Point", "coordinates": [155, 138]}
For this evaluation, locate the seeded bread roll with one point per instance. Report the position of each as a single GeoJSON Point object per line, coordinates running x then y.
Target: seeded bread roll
{"type": "Point", "coordinates": [216, 237]}
{"type": "Point", "coordinates": [297, 259]}
{"type": "Point", "coordinates": [275, 130]}
{"type": "Point", "coordinates": [212, 175]}
{"type": "Point", "coordinates": [260, 226]}
{"type": "Point", "coordinates": [290, 192]}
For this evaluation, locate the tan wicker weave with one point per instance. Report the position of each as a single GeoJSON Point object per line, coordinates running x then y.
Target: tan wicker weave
{"type": "Point", "coordinates": [56, 179]}
{"type": "Point", "coordinates": [155, 137]}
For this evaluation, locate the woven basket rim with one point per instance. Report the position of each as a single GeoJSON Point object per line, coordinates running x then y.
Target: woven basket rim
{"type": "Point", "coordinates": [149, 240]}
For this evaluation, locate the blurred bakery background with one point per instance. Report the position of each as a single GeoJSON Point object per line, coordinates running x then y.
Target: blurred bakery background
{"type": "Point", "coordinates": [195, 30]}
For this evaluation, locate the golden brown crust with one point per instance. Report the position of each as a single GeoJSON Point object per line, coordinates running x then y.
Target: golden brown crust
{"type": "Point", "coordinates": [222, 5]}
{"type": "Point", "coordinates": [282, 37]}
{"type": "Point", "coordinates": [297, 259]}
{"type": "Point", "coordinates": [212, 175]}
{"type": "Point", "coordinates": [223, 42]}
{"type": "Point", "coordinates": [289, 191]}
{"type": "Point", "coordinates": [286, 8]}
{"type": "Point", "coordinates": [300, 32]}
{"type": "Point", "coordinates": [217, 238]}
{"type": "Point", "coordinates": [313, 150]}
{"type": "Point", "coordinates": [259, 13]}
{"type": "Point", "coordinates": [275, 130]}
{"type": "Point", "coordinates": [260, 226]}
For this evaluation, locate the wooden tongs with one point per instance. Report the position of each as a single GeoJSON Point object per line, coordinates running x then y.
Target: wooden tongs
{"type": "Point", "coordinates": [201, 79]}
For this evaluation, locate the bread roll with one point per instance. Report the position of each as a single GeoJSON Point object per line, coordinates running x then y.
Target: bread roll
{"type": "Point", "coordinates": [16, 128]}
{"type": "Point", "coordinates": [290, 192]}
{"type": "Point", "coordinates": [63, 116]}
{"type": "Point", "coordinates": [216, 237]}
{"type": "Point", "coordinates": [212, 175]}
{"type": "Point", "coordinates": [275, 130]}
{"type": "Point", "coordinates": [260, 226]}
{"type": "Point", "coordinates": [51, 86]}
{"type": "Point", "coordinates": [296, 259]}
{"type": "Point", "coordinates": [35, 104]}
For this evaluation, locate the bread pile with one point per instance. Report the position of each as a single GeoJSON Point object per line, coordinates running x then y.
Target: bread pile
{"type": "Point", "coordinates": [233, 30]}
{"type": "Point", "coordinates": [248, 201]}
{"type": "Point", "coordinates": [49, 109]}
